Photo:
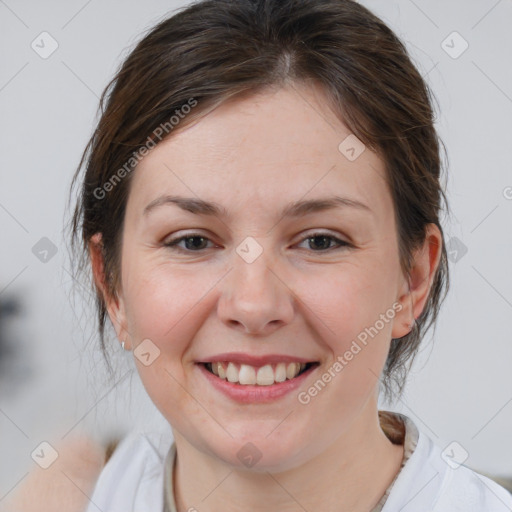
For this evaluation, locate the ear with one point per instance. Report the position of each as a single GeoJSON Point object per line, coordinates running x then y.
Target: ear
{"type": "Point", "coordinates": [114, 304]}
{"type": "Point", "coordinates": [416, 287]}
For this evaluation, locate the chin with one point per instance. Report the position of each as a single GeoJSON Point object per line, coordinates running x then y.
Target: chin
{"type": "Point", "coordinates": [259, 452]}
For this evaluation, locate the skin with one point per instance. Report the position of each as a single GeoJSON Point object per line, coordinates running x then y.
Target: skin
{"type": "Point", "coordinates": [254, 156]}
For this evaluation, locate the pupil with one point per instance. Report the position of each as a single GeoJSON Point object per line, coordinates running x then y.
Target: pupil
{"type": "Point", "coordinates": [322, 237]}
{"type": "Point", "coordinates": [192, 245]}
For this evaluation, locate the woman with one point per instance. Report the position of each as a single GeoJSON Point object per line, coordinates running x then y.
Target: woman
{"type": "Point", "coordinates": [260, 207]}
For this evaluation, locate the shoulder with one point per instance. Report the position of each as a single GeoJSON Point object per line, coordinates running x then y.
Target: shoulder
{"type": "Point", "coordinates": [65, 484]}
{"type": "Point", "coordinates": [132, 479]}
{"type": "Point", "coordinates": [467, 490]}
{"type": "Point", "coordinates": [432, 481]}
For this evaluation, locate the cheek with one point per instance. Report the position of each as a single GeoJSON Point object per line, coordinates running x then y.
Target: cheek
{"type": "Point", "coordinates": [168, 310]}
{"type": "Point", "coordinates": [160, 303]}
{"type": "Point", "coordinates": [165, 306]}
{"type": "Point", "coordinates": [347, 308]}
{"type": "Point", "coordinates": [348, 298]}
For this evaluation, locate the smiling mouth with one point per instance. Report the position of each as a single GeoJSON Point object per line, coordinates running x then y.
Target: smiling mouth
{"type": "Point", "coordinates": [267, 375]}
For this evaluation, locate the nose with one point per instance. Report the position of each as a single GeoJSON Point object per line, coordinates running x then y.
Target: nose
{"type": "Point", "coordinates": [254, 298]}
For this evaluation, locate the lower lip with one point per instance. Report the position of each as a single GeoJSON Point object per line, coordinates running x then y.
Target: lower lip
{"type": "Point", "coordinates": [255, 394]}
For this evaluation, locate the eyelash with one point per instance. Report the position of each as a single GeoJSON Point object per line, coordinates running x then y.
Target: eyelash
{"type": "Point", "coordinates": [173, 244]}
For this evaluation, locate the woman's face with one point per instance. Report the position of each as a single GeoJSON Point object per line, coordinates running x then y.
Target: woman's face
{"type": "Point", "coordinates": [251, 284]}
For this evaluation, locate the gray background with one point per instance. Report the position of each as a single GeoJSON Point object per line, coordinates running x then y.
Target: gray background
{"type": "Point", "coordinates": [55, 382]}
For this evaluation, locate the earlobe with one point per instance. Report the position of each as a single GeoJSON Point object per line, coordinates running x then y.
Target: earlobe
{"type": "Point", "coordinates": [116, 313]}
{"type": "Point", "coordinates": [419, 281]}
{"type": "Point", "coordinates": [405, 319]}
{"type": "Point", "coordinates": [114, 304]}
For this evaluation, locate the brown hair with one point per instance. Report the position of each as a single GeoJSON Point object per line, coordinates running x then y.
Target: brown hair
{"type": "Point", "coordinates": [213, 50]}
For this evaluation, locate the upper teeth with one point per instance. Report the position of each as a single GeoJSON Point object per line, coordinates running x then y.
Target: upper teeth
{"type": "Point", "coordinates": [263, 376]}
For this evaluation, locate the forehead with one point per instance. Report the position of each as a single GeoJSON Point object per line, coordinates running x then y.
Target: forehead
{"type": "Point", "coordinates": [266, 149]}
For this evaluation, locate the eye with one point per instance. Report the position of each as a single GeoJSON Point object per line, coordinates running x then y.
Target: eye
{"type": "Point", "coordinates": [194, 242]}
{"type": "Point", "coordinates": [323, 240]}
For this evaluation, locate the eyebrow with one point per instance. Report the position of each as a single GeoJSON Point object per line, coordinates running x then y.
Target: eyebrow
{"type": "Point", "coordinates": [295, 209]}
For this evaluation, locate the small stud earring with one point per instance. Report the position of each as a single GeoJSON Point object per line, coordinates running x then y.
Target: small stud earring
{"type": "Point", "coordinates": [122, 345]}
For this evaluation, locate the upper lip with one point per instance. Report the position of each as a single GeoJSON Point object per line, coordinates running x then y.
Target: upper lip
{"type": "Point", "coordinates": [252, 360]}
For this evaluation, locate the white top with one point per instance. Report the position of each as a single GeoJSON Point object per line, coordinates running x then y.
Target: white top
{"type": "Point", "coordinates": [133, 479]}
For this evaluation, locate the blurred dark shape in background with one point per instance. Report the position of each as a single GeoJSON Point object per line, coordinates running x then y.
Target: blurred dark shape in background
{"type": "Point", "coordinates": [14, 367]}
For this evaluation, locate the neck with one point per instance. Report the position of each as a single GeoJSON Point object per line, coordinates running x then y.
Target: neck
{"type": "Point", "coordinates": [339, 476]}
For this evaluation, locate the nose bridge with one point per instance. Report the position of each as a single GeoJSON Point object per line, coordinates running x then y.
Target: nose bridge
{"type": "Point", "coordinates": [253, 297]}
